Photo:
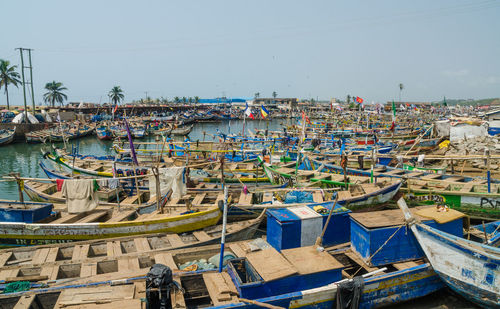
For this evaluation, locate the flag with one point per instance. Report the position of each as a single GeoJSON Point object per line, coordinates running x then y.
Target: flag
{"type": "Point", "coordinates": [305, 118]}
{"type": "Point", "coordinates": [393, 116]}
{"type": "Point", "coordinates": [359, 100]}
{"type": "Point", "coordinates": [263, 112]}
{"type": "Point", "coordinates": [116, 107]}
{"type": "Point", "coordinates": [248, 112]}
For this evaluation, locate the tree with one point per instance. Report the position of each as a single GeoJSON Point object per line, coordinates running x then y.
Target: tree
{"type": "Point", "coordinates": [177, 99]}
{"type": "Point", "coordinates": [184, 99]}
{"type": "Point", "coordinates": [401, 86]}
{"type": "Point", "coordinates": [275, 94]}
{"type": "Point", "coordinates": [8, 75]}
{"type": "Point", "coordinates": [348, 99]}
{"type": "Point", "coordinates": [190, 100]}
{"type": "Point", "coordinates": [196, 99]}
{"type": "Point", "coordinates": [54, 93]}
{"type": "Point", "coordinates": [116, 95]}
{"type": "Point", "coordinates": [257, 95]}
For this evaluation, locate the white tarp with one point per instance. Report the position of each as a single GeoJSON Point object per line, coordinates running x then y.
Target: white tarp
{"type": "Point", "coordinates": [464, 130]}
{"type": "Point", "coordinates": [442, 128]}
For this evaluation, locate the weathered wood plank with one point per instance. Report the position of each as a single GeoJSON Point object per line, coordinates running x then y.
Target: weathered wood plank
{"type": "Point", "coordinates": [175, 240]}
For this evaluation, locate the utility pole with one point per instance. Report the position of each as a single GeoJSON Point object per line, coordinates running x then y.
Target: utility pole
{"type": "Point", "coordinates": [24, 86]}
{"type": "Point", "coordinates": [21, 52]}
{"type": "Point", "coordinates": [31, 82]}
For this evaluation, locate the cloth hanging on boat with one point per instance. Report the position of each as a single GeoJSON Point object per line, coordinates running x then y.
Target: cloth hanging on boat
{"type": "Point", "coordinates": [171, 178]}
{"type": "Point", "coordinates": [80, 195]}
{"type": "Point", "coordinates": [59, 183]}
{"type": "Point", "coordinates": [349, 293]}
{"type": "Point", "coordinates": [113, 183]}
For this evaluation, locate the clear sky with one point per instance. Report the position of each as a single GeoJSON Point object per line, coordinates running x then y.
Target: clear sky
{"type": "Point", "coordinates": [236, 48]}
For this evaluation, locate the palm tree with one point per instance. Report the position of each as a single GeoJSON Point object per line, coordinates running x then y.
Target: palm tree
{"type": "Point", "coordinates": [275, 94]}
{"type": "Point", "coordinates": [257, 95]}
{"type": "Point", "coordinates": [196, 99]}
{"type": "Point", "coordinates": [8, 75]}
{"type": "Point", "coordinates": [55, 93]}
{"type": "Point", "coordinates": [116, 94]}
{"type": "Point", "coordinates": [348, 99]}
{"type": "Point", "coordinates": [184, 99]}
{"type": "Point", "coordinates": [177, 99]}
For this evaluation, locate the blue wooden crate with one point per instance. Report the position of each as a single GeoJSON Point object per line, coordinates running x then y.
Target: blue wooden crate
{"type": "Point", "coordinates": [299, 226]}
{"type": "Point", "coordinates": [305, 269]}
{"type": "Point", "coordinates": [369, 232]}
{"type": "Point", "coordinates": [27, 212]}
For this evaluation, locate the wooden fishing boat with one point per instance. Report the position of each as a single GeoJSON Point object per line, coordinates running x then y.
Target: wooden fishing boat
{"type": "Point", "coordinates": [128, 247]}
{"type": "Point", "coordinates": [360, 191]}
{"type": "Point", "coordinates": [469, 268]}
{"type": "Point", "coordinates": [7, 136]}
{"type": "Point", "coordinates": [138, 131]}
{"type": "Point", "coordinates": [73, 133]}
{"type": "Point", "coordinates": [488, 233]}
{"type": "Point", "coordinates": [105, 222]}
{"type": "Point", "coordinates": [466, 194]}
{"type": "Point", "coordinates": [28, 212]}
{"type": "Point", "coordinates": [103, 133]}
{"type": "Point", "coordinates": [37, 136]}
{"type": "Point", "coordinates": [258, 280]}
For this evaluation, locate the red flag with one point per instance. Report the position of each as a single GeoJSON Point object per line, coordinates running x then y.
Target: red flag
{"type": "Point", "coordinates": [116, 107]}
{"type": "Point", "coordinates": [304, 117]}
{"type": "Point", "coordinates": [359, 100]}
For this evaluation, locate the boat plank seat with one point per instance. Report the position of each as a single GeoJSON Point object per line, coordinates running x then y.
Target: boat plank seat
{"type": "Point", "coordinates": [414, 174]}
{"type": "Point", "coordinates": [406, 265]}
{"type": "Point", "coordinates": [308, 260]}
{"type": "Point", "coordinates": [237, 249]}
{"type": "Point", "coordinates": [93, 216]}
{"type": "Point", "coordinates": [7, 273]}
{"type": "Point", "coordinates": [220, 197]}
{"type": "Point", "coordinates": [245, 199]}
{"type": "Point", "coordinates": [128, 264]}
{"type": "Point", "coordinates": [370, 188]}
{"type": "Point", "coordinates": [270, 264]}
{"type": "Point", "coordinates": [113, 248]}
{"type": "Point", "coordinates": [431, 176]}
{"type": "Point", "coordinates": [69, 218]}
{"type": "Point", "coordinates": [175, 240]}
{"type": "Point", "coordinates": [466, 188]}
{"type": "Point", "coordinates": [52, 256]}
{"type": "Point", "coordinates": [121, 216]}
{"type": "Point", "coordinates": [4, 257]}
{"type": "Point", "coordinates": [134, 199]}
{"type": "Point", "coordinates": [25, 302]}
{"type": "Point", "coordinates": [395, 172]}
{"type": "Point", "coordinates": [317, 197]}
{"type": "Point", "coordinates": [202, 236]}
{"type": "Point", "coordinates": [166, 259]}
{"type": "Point", "coordinates": [343, 195]}
{"type": "Point", "coordinates": [142, 244]}
{"type": "Point", "coordinates": [40, 256]}
{"type": "Point", "coordinates": [353, 256]}
{"type": "Point", "coordinates": [119, 296]}
{"type": "Point", "coordinates": [218, 289]}
{"type": "Point", "coordinates": [198, 199]}
{"type": "Point", "coordinates": [454, 178]}
{"type": "Point", "coordinates": [88, 270]}
{"type": "Point", "coordinates": [146, 216]}
{"type": "Point", "coordinates": [50, 271]}
{"type": "Point", "coordinates": [80, 252]}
